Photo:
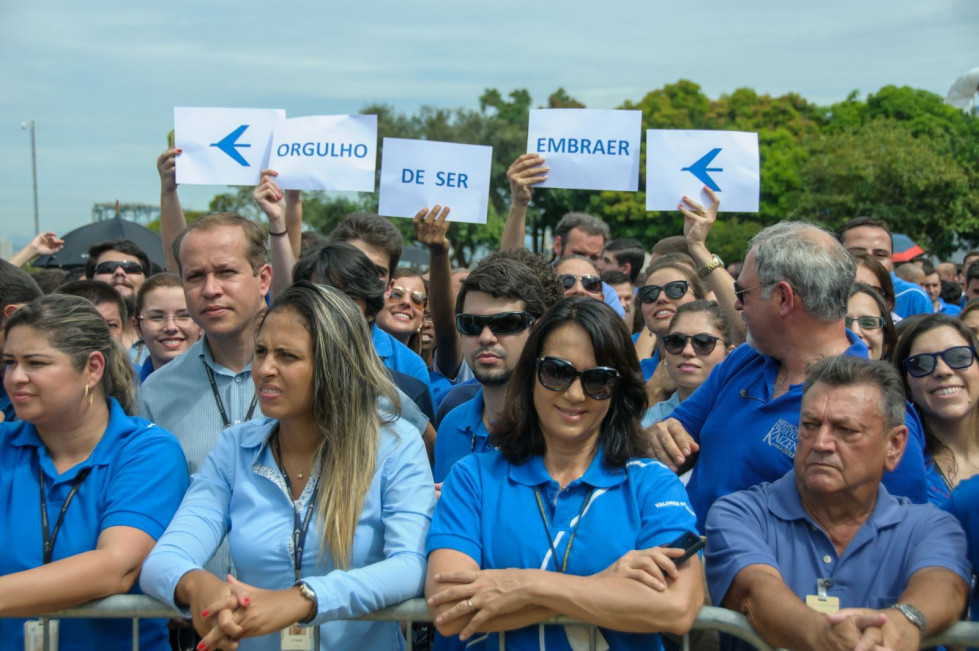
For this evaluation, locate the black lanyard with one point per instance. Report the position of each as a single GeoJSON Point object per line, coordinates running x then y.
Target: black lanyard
{"type": "Point", "coordinates": [300, 526]}
{"type": "Point", "coordinates": [217, 398]}
{"type": "Point", "coordinates": [550, 540]}
{"type": "Point", "coordinates": [50, 536]}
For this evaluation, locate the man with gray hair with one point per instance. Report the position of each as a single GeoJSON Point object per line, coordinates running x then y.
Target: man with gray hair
{"type": "Point", "coordinates": [825, 557]}
{"type": "Point", "coordinates": [792, 293]}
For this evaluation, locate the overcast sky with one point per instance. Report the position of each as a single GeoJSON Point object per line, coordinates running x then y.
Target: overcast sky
{"type": "Point", "coordinates": [101, 79]}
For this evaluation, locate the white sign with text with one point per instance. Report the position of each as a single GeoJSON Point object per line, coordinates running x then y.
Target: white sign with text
{"type": "Point", "coordinates": [422, 173]}
{"type": "Point", "coordinates": [223, 146]}
{"type": "Point", "coordinates": [325, 152]}
{"type": "Point", "coordinates": [682, 162]}
{"type": "Point", "coordinates": [587, 149]}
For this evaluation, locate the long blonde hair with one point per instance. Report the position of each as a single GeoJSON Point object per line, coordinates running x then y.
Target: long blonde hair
{"type": "Point", "coordinates": [348, 381]}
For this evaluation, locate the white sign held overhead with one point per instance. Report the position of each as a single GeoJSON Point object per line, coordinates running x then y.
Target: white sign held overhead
{"type": "Point", "coordinates": [325, 152]}
{"type": "Point", "coordinates": [420, 173]}
{"type": "Point", "coordinates": [681, 163]}
{"type": "Point", "coordinates": [587, 149]}
{"type": "Point", "coordinates": [223, 146]}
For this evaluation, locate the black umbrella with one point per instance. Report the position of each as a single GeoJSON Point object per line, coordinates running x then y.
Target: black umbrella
{"type": "Point", "coordinates": [78, 242]}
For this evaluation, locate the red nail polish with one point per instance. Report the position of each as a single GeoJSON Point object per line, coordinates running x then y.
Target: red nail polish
{"type": "Point", "coordinates": [180, 151]}
{"type": "Point", "coordinates": [201, 647]}
{"type": "Point", "coordinates": [246, 601]}
{"type": "Point", "coordinates": [204, 614]}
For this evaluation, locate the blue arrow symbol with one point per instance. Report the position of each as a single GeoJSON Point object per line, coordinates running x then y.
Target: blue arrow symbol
{"type": "Point", "coordinates": [700, 169]}
{"type": "Point", "coordinates": [230, 147]}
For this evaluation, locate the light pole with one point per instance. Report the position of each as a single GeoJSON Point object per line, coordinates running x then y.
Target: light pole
{"type": "Point", "coordinates": [30, 126]}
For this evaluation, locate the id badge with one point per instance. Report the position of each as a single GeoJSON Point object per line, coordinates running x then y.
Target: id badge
{"type": "Point", "coordinates": [824, 605]}
{"type": "Point", "coordinates": [34, 635]}
{"type": "Point", "coordinates": [298, 638]}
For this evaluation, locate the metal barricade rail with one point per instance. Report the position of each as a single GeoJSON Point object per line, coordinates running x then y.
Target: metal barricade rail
{"type": "Point", "coordinates": [710, 618]}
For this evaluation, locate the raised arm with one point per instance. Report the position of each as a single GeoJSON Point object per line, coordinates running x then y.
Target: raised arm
{"type": "Point", "coordinates": [697, 222]}
{"type": "Point", "coordinates": [294, 220]}
{"type": "Point", "coordinates": [431, 227]}
{"type": "Point", "coordinates": [269, 198]}
{"type": "Point", "coordinates": [526, 171]}
{"type": "Point", "coordinates": [46, 243]}
{"type": "Point", "coordinates": [172, 219]}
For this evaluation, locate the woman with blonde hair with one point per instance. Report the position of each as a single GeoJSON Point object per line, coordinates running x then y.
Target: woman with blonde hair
{"type": "Point", "coordinates": [333, 457]}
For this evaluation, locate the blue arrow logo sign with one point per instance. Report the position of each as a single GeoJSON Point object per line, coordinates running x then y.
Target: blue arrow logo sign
{"type": "Point", "coordinates": [700, 169]}
{"type": "Point", "coordinates": [229, 145]}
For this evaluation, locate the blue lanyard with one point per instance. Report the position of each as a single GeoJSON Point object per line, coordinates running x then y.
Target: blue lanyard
{"type": "Point", "coordinates": [300, 526]}
{"type": "Point", "coordinates": [49, 537]}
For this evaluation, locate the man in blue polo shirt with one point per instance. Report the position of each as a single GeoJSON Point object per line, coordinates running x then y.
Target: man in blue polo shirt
{"type": "Point", "coordinates": [825, 557]}
{"type": "Point", "coordinates": [495, 308]}
{"type": "Point", "coordinates": [872, 236]}
{"type": "Point", "coordinates": [792, 293]}
{"type": "Point", "coordinates": [16, 288]}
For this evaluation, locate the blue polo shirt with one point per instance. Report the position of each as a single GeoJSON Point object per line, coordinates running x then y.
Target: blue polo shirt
{"type": "Point", "coordinates": [489, 511]}
{"type": "Point", "coordinates": [399, 357]}
{"type": "Point", "coordinates": [964, 505]}
{"type": "Point", "coordinates": [909, 298]}
{"type": "Point", "coordinates": [747, 437]}
{"type": "Point", "coordinates": [948, 308]}
{"type": "Point", "coordinates": [767, 525]}
{"type": "Point", "coordinates": [460, 433]}
{"type": "Point", "coordinates": [650, 363]}
{"type": "Point", "coordinates": [138, 477]}
{"type": "Point", "coordinates": [9, 415]}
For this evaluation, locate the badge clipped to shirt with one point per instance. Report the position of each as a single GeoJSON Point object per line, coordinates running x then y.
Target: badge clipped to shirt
{"type": "Point", "coordinates": [822, 602]}
{"type": "Point", "coordinates": [34, 635]}
{"type": "Point", "coordinates": [298, 638]}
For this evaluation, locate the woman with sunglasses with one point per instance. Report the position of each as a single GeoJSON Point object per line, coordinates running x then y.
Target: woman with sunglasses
{"type": "Point", "coordinates": [936, 356]}
{"type": "Point", "coordinates": [161, 318]}
{"type": "Point", "coordinates": [579, 276]}
{"type": "Point", "coordinates": [404, 308]}
{"type": "Point", "coordinates": [699, 339]}
{"type": "Point", "coordinates": [869, 318]}
{"type": "Point", "coordinates": [568, 516]}
{"type": "Point", "coordinates": [669, 284]}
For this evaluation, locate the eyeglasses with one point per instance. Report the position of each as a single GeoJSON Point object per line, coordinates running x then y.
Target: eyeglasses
{"type": "Point", "coordinates": [110, 266]}
{"type": "Point", "coordinates": [502, 323]}
{"type": "Point", "coordinates": [924, 364]}
{"type": "Point", "coordinates": [865, 322]}
{"type": "Point", "coordinates": [557, 374]}
{"type": "Point", "coordinates": [417, 299]}
{"type": "Point", "coordinates": [591, 284]}
{"type": "Point", "coordinates": [703, 343]}
{"type": "Point", "coordinates": [740, 291]}
{"type": "Point", "coordinates": [159, 319]}
{"type": "Point", "coordinates": [649, 293]}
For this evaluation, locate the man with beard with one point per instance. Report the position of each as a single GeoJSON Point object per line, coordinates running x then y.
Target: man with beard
{"type": "Point", "coordinates": [495, 309]}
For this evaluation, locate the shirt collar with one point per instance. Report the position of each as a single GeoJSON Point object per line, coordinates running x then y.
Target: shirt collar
{"type": "Point", "coordinates": [598, 475]}
{"type": "Point", "coordinates": [784, 503]}
{"type": "Point", "coordinates": [382, 342]}
{"type": "Point", "coordinates": [205, 354]}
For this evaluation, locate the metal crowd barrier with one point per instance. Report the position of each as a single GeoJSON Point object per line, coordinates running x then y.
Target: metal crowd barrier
{"type": "Point", "coordinates": [710, 618]}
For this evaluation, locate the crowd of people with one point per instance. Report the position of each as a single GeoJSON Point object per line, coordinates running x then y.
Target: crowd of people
{"type": "Point", "coordinates": [279, 431]}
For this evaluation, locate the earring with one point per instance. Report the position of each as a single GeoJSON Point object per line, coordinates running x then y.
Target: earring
{"type": "Point", "coordinates": [89, 396]}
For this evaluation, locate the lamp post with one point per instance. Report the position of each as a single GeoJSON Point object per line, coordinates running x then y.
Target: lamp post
{"type": "Point", "coordinates": [30, 126]}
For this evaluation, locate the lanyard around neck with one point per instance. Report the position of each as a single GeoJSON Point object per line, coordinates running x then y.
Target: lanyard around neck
{"type": "Point", "coordinates": [49, 537]}
{"type": "Point", "coordinates": [217, 398]}
{"type": "Point", "coordinates": [550, 540]}
{"type": "Point", "coordinates": [300, 527]}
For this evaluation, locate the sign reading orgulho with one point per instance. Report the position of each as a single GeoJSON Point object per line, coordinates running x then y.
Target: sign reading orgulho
{"type": "Point", "coordinates": [325, 152]}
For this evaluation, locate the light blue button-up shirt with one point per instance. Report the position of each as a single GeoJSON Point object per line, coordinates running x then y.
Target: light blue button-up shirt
{"type": "Point", "coordinates": [240, 491]}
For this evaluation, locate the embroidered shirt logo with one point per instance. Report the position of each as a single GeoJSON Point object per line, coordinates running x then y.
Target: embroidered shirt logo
{"type": "Point", "coordinates": [783, 436]}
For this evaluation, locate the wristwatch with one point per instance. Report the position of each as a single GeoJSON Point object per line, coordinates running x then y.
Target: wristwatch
{"type": "Point", "coordinates": [914, 615]}
{"type": "Point", "coordinates": [714, 263]}
{"type": "Point", "coordinates": [309, 595]}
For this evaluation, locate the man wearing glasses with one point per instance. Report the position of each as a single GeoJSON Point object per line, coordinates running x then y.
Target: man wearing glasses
{"type": "Point", "coordinates": [792, 293]}
{"type": "Point", "coordinates": [124, 266]}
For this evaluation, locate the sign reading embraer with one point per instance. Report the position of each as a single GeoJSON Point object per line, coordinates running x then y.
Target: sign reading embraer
{"type": "Point", "coordinates": [223, 146]}
{"type": "Point", "coordinates": [587, 149]}
{"type": "Point", "coordinates": [682, 163]}
{"type": "Point", "coordinates": [325, 152]}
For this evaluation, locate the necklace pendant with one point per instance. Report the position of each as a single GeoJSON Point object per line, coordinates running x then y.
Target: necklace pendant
{"type": "Point", "coordinates": [300, 475]}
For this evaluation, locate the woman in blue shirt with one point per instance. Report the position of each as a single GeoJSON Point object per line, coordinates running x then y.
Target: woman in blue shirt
{"type": "Point", "coordinates": [326, 502]}
{"type": "Point", "coordinates": [85, 488]}
{"type": "Point", "coordinates": [570, 498]}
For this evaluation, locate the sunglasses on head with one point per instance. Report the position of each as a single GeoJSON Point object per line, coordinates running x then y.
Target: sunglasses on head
{"type": "Point", "coordinates": [502, 323]}
{"type": "Point", "coordinates": [703, 343]}
{"type": "Point", "coordinates": [865, 322]}
{"type": "Point", "coordinates": [649, 293]}
{"type": "Point", "coordinates": [558, 374]}
{"type": "Point", "coordinates": [591, 284]}
{"type": "Point", "coordinates": [110, 266]}
{"type": "Point", "coordinates": [924, 364]}
{"type": "Point", "coordinates": [417, 299]}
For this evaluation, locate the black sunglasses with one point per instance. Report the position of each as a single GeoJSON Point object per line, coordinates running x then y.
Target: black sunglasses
{"type": "Point", "coordinates": [865, 322]}
{"type": "Point", "coordinates": [924, 364]}
{"type": "Point", "coordinates": [502, 323]}
{"type": "Point", "coordinates": [110, 266]}
{"type": "Point", "coordinates": [703, 343]}
{"type": "Point", "coordinates": [649, 293]}
{"type": "Point", "coordinates": [592, 284]}
{"type": "Point", "coordinates": [740, 291]}
{"type": "Point", "coordinates": [558, 374]}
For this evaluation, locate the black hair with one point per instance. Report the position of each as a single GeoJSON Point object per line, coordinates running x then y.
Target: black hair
{"type": "Point", "coordinates": [122, 246]}
{"type": "Point", "coordinates": [347, 268]}
{"type": "Point", "coordinates": [504, 277]}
